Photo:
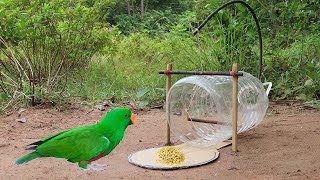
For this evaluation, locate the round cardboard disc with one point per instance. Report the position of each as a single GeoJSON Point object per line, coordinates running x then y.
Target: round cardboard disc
{"type": "Point", "coordinates": [194, 156]}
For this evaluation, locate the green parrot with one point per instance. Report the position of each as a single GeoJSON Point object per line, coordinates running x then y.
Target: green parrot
{"type": "Point", "coordinates": [84, 144]}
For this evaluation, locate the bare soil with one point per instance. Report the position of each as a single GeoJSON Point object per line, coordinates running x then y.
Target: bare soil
{"type": "Point", "coordinates": [286, 145]}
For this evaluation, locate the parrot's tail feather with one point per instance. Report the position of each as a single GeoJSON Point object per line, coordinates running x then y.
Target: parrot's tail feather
{"type": "Point", "coordinates": [32, 148]}
{"type": "Point", "coordinates": [27, 158]}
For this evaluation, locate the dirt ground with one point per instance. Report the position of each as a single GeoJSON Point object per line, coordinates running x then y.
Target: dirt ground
{"type": "Point", "coordinates": [286, 145]}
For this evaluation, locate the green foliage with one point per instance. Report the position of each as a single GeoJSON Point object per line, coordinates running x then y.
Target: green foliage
{"type": "Point", "coordinates": [61, 48]}
{"type": "Point", "coordinates": [231, 36]}
{"type": "Point", "coordinates": [313, 104]}
{"type": "Point", "coordinates": [4, 97]}
{"type": "Point", "coordinates": [158, 18]}
{"type": "Point", "coordinates": [44, 40]}
{"type": "Point", "coordinates": [295, 70]}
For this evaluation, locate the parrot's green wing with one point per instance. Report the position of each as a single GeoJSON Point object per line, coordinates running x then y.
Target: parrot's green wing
{"type": "Point", "coordinates": [43, 140]}
{"type": "Point", "coordinates": [79, 144]}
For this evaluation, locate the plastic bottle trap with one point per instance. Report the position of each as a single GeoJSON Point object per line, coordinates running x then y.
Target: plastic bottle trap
{"type": "Point", "coordinates": [205, 111]}
{"type": "Point", "coordinates": [200, 110]}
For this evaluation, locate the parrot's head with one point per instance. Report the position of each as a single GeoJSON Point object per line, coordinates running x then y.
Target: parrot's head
{"type": "Point", "coordinates": [120, 117]}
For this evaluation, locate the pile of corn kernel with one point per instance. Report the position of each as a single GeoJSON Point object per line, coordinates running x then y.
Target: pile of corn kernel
{"type": "Point", "coordinates": [170, 155]}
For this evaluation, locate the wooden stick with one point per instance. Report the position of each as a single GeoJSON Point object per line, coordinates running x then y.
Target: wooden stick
{"type": "Point", "coordinates": [199, 73]}
{"type": "Point", "coordinates": [235, 110]}
{"type": "Point", "coordinates": [208, 121]}
{"type": "Point", "coordinates": [204, 120]}
{"type": "Point", "coordinates": [168, 86]}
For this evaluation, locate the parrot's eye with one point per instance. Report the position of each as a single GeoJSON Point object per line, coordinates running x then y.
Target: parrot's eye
{"type": "Point", "coordinates": [126, 115]}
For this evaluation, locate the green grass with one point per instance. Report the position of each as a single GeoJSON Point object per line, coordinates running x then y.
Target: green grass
{"type": "Point", "coordinates": [127, 68]}
{"type": "Point", "coordinates": [130, 71]}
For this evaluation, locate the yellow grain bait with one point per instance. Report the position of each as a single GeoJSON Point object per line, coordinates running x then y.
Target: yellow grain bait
{"type": "Point", "coordinates": [170, 155]}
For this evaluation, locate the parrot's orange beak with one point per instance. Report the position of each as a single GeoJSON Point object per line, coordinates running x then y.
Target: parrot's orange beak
{"type": "Point", "coordinates": [133, 118]}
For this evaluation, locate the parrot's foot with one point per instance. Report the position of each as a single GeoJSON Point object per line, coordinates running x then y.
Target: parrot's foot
{"type": "Point", "coordinates": [96, 167]}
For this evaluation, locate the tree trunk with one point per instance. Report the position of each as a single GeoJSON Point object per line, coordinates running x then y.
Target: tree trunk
{"type": "Point", "coordinates": [142, 8]}
{"type": "Point", "coordinates": [132, 7]}
{"type": "Point", "coordinates": [128, 7]}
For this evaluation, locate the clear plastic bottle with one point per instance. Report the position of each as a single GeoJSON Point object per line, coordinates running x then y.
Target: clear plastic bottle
{"type": "Point", "coordinates": [210, 98]}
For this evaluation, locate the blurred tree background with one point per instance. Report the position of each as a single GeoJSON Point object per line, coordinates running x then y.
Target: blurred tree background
{"type": "Point", "coordinates": [87, 51]}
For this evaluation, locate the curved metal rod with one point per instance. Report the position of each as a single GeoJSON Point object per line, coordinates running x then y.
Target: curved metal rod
{"type": "Point", "coordinates": [254, 17]}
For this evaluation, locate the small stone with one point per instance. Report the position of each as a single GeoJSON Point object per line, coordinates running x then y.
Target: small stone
{"type": "Point", "coordinates": [101, 107]}
{"type": "Point", "coordinates": [232, 168]}
{"type": "Point", "coordinates": [22, 120]}
{"type": "Point", "coordinates": [4, 145]}
{"type": "Point", "coordinates": [21, 110]}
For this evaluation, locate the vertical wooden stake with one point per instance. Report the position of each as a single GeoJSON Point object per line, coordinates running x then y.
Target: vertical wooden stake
{"type": "Point", "coordinates": [168, 86]}
{"type": "Point", "coordinates": [235, 110]}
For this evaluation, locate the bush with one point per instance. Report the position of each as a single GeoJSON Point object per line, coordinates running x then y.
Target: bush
{"type": "Point", "coordinates": [44, 40]}
{"type": "Point", "coordinates": [50, 40]}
